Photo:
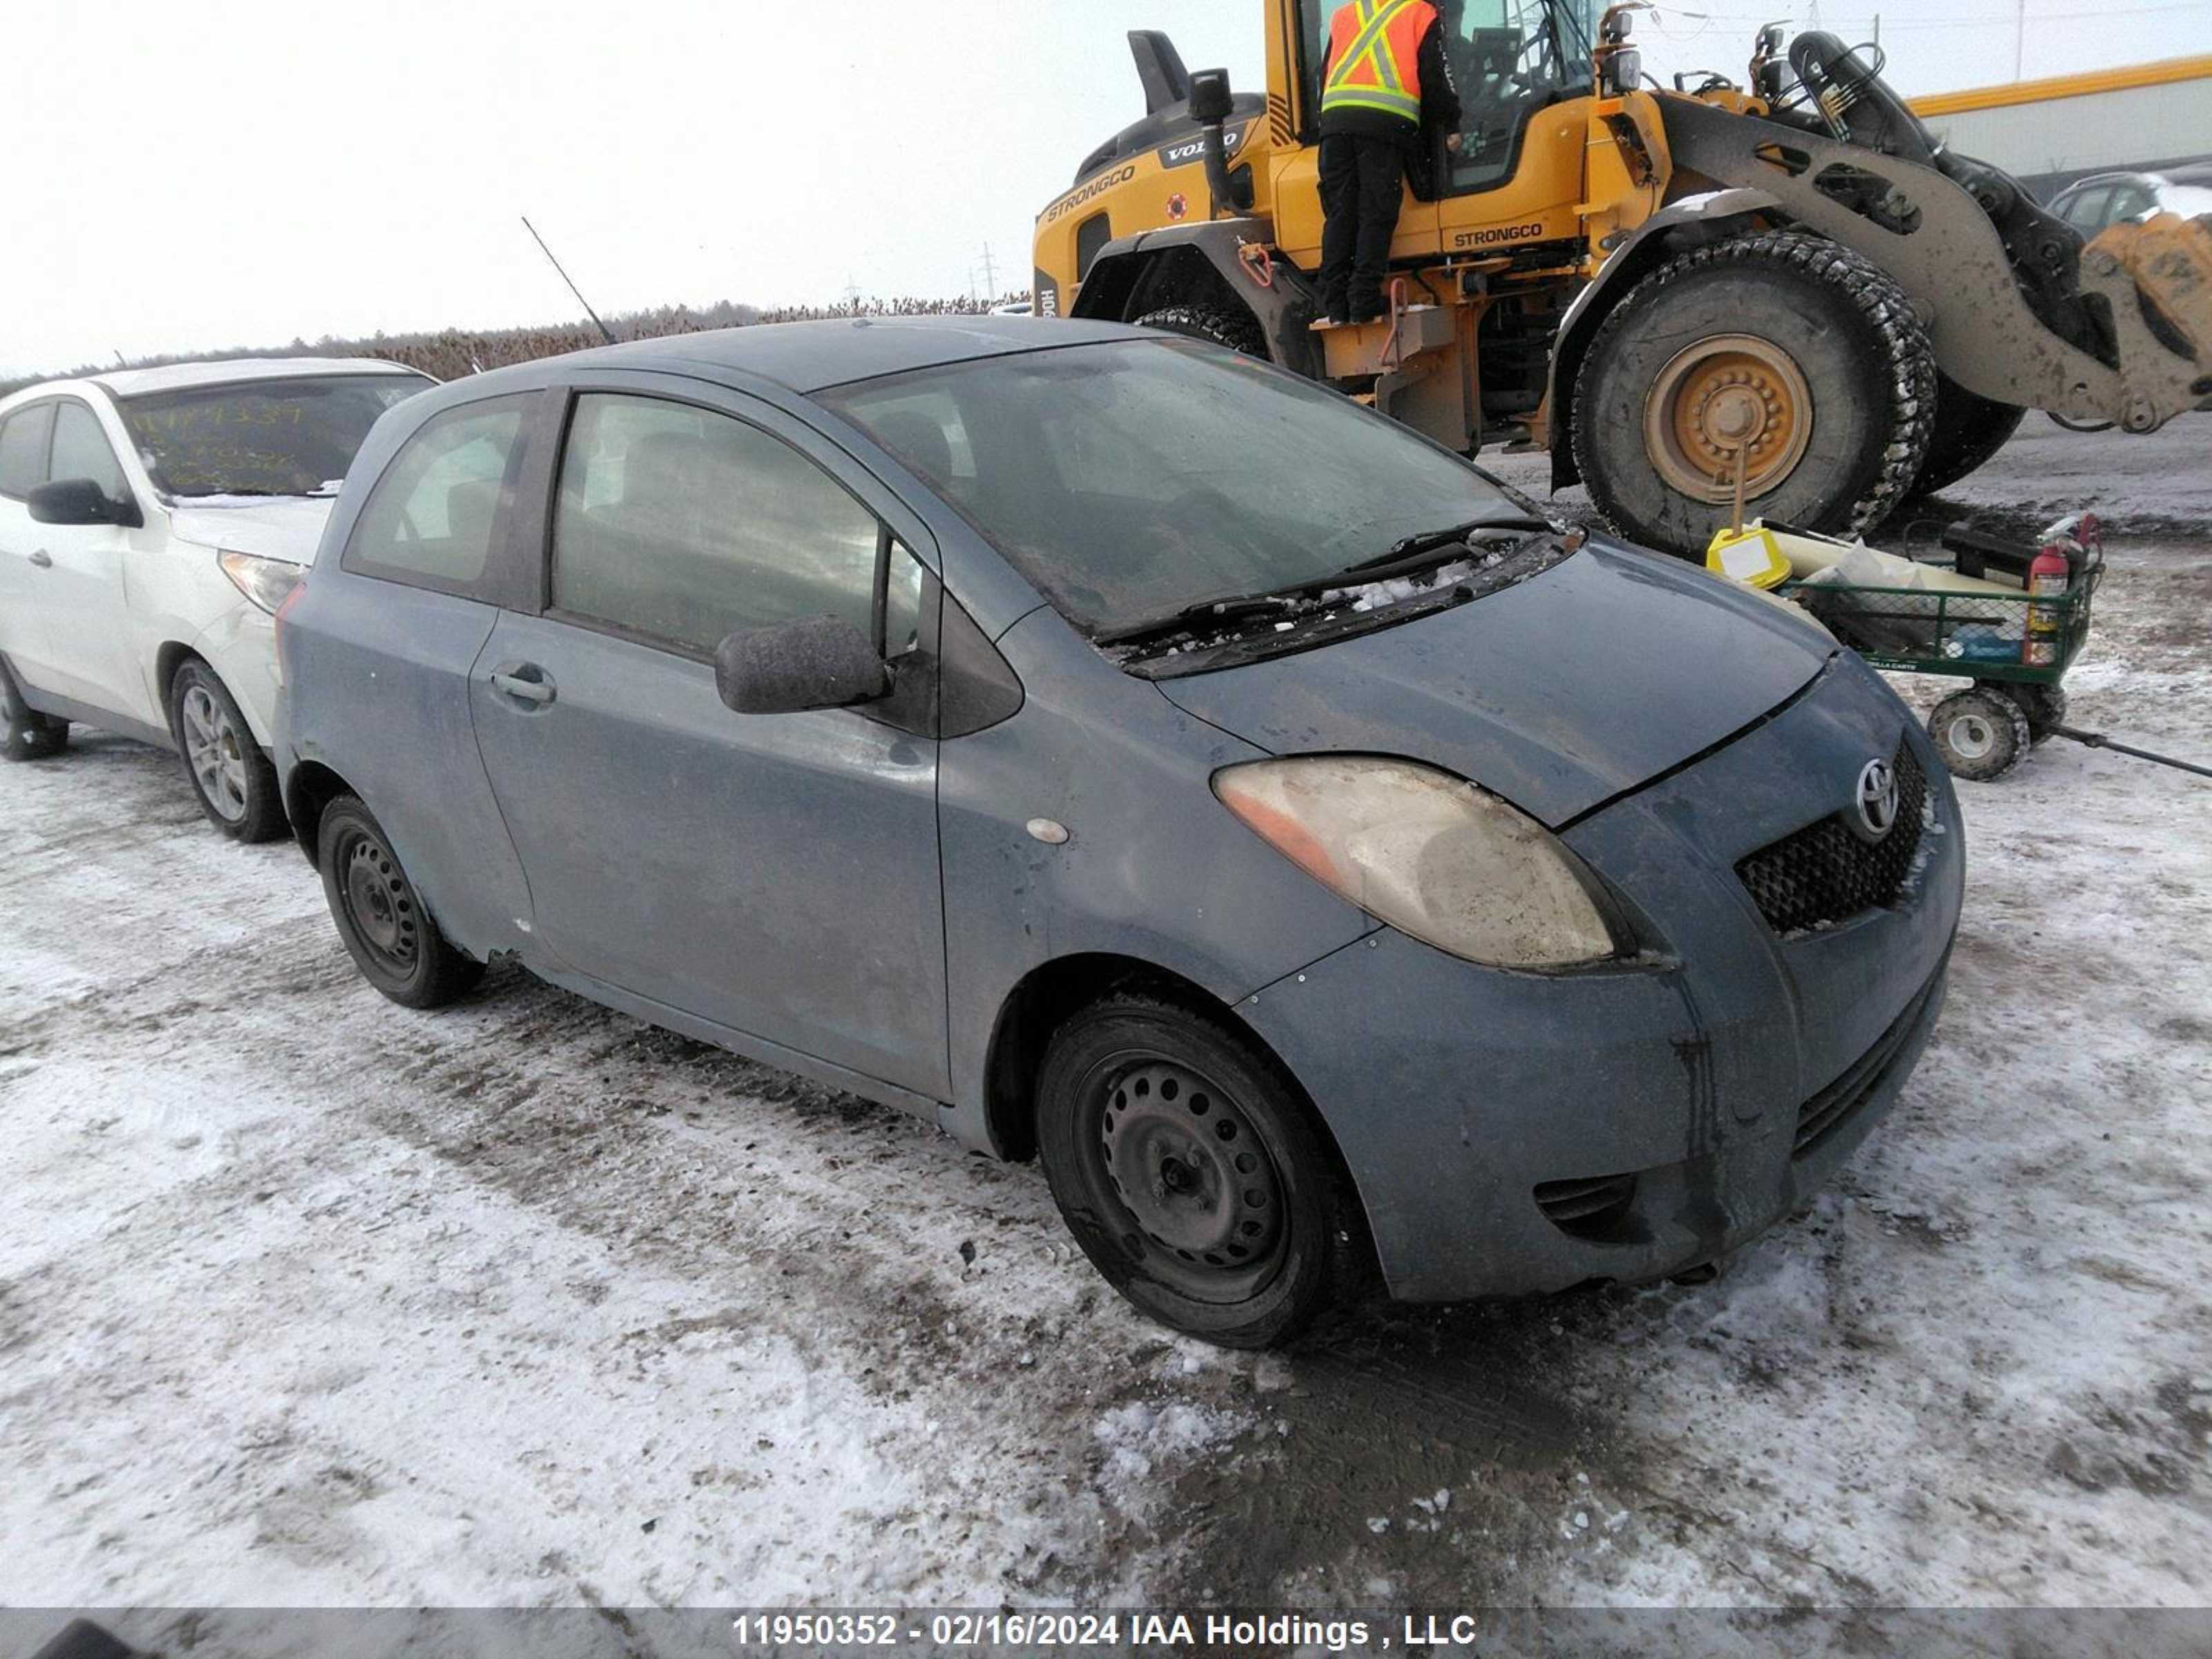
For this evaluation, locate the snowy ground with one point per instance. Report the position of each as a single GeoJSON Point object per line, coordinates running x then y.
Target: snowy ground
{"type": "Point", "coordinates": [307, 1299]}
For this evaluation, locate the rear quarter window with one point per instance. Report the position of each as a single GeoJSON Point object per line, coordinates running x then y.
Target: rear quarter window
{"type": "Point", "coordinates": [435, 517]}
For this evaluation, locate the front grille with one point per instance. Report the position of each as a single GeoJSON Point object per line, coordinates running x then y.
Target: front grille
{"type": "Point", "coordinates": [1824, 874]}
{"type": "Point", "coordinates": [1833, 1107]}
{"type": "Point", "coordinates": [1588, 1208]}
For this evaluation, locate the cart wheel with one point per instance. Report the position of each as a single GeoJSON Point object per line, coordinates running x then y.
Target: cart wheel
{"type": "Point", "coordinates": [1981, 734]}
{"type": "Point", "coordinates": [2044, 705]}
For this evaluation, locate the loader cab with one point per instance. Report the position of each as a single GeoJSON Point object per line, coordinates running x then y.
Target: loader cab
{"type": "Point", "coordinates": [1518, 174]}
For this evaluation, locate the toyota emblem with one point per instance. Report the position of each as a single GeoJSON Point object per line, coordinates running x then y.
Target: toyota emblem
{"type": "Point", "coordinates": [1877, 800]}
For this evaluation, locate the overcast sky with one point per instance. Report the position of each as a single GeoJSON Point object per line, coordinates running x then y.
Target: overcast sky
{"type": "Point", "coordinates": [185, 177]}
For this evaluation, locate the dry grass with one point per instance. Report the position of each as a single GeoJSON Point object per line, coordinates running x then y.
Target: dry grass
{"type": "Point", "coordinates": [451, 353]}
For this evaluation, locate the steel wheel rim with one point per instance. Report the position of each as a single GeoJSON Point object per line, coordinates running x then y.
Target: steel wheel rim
{"type": "Point", "coordinates": [1704, 402]}
{"type": "Point", "coordinates": [1184, 1179]}
{"type": "Point", "coordinates": [1972, 736]}
{"type": "Point", "coordinates": [214, 752]}
{"type": "Point", "coordinates": [378, 903]}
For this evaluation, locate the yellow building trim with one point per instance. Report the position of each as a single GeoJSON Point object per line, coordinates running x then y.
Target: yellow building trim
{"type": "Point", "coordinates": [2163, 72]}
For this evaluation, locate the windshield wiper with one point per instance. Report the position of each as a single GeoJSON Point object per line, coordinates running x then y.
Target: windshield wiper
{"type": "Point", "coordinates": [1206, 611]}
{"type": "Point", "coordinates": [1409, 554]}
{"type": "Point", "coordinates": [1428, 541]}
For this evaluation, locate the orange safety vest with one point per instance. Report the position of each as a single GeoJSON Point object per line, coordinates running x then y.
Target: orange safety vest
{"type": "Point", "coordinates": [1374, 57]}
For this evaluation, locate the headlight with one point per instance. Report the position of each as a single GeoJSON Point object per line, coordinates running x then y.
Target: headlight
{"type": "Point", "coordinates": [267, 582]}
{"type": "Point", "coordinates": [1427, 853]}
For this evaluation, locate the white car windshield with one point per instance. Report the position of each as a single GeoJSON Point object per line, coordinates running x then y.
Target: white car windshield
{"type": "Point", "coordinates": [259, 437]}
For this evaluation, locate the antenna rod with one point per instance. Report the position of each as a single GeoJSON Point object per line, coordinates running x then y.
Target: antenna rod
{"type": "Point", "coordinates": [606, 333]}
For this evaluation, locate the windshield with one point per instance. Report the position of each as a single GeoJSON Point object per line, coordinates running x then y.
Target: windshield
{"type": "Point", "coordinates": [1132, 479]}
{"type": "Point", "coordinates": [261, 437]}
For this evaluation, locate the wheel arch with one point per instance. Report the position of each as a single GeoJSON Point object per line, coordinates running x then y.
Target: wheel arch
{"type": "Point", "coordinates": [172, 655]}
{"type": "Point", "coordinates": [169, 659]}
{"type": "Point", "coordinates": [1203, 264]}
{"type": "Point", "coordinates": [308, 793]}
{"type": "Point", "coordinates": [1671, 231]}
{"type": "Point", "coordinates": [1047, 995]}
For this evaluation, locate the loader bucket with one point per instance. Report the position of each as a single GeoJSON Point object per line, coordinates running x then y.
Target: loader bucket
{"type": "Point", "coordinates": [2169, 259]}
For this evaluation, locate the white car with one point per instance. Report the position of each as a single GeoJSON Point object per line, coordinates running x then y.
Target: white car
{"type": "Point", "coordinates": [151, 522]}
{"type": "Point", "coordinates": [2106, 199]}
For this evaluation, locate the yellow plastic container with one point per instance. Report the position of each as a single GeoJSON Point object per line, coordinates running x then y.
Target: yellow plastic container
{"type": "Point", "coordinates": [1751, 556]}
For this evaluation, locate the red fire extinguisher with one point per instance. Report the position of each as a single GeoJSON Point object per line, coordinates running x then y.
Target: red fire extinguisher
{"type": "Point", "coordinates": [2048, 576]}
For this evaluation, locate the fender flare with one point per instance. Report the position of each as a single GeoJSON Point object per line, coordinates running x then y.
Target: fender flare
{"type": "Point", "coordinates": [1132, 275]}
{"type": "Point", "coordinates": [1693, 219]}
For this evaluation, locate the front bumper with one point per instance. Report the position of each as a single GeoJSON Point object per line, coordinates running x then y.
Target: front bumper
{"type": "Point", "coordinates": [1513, 1133]}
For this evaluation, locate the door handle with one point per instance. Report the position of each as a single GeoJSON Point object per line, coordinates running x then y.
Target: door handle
{"type": "Point", "coordinates": [524, 681]}
{"type": "Point", "coordinates": [43, 559]}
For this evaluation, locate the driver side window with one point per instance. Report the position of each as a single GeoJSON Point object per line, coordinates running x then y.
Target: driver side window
{"type": "Point", "coordinates": [1508, 58]}
{"type": "Point", "coordinates": [433, 518]}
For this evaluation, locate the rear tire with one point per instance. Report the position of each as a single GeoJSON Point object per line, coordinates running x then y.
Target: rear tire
{"type": "Point", "coordinates": [1970, 429]}
{"type": "Point", "coordinates": [26, 734]}
{"type": "Point", "coordinates": [232, 779]}
{"type": "Point", "coordinates": [1185, 1163]}
{"type": "Point", "coordinates": [1234, 327]}
{"type": "Point", "coordinates": [387, 931]}
{"type": "Point", "coordinates": [1981, 734]}
{"type": "Point", "coordinates": [2044, 705]}
{"type": "Point", "coordinates": [1734, 338]}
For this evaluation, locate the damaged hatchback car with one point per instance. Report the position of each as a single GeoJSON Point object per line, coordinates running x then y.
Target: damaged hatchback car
{"type": "Point", "coordinates": [1129, 756]}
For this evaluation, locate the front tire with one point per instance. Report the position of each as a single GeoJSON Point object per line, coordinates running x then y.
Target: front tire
{"type": "Point", "coordinates": [1184, 1161]}
{"type": "Point", "coordinates": [26, 734]}
{"type": "Point", "coordinates": [233, 779]}
{"type": "Point", "coordinates": [1236, 328]}
{"type": "Point", "coordinates": [1981, 734]}
{"type": "Point", "coordinates": [389, 934]}
{"type": "Point", "coordinates": [1792, 346]}
{"type": "Point", "coordinates": [2044, 705]}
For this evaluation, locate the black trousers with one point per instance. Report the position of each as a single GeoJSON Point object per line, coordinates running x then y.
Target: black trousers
{"type": "Point", "coordinates": [1363, 181]}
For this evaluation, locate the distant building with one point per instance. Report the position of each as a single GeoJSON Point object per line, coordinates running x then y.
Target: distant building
{"type": "Point", "coordinates": [2141, 118]}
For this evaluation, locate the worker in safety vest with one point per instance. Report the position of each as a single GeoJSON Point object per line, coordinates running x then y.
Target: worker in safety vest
{"type": "Point", "coordinates": [1384, 82]}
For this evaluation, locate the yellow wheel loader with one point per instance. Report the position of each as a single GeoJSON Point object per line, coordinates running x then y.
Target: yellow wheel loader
{"type": "Point", "coordinates": [1786, 287]}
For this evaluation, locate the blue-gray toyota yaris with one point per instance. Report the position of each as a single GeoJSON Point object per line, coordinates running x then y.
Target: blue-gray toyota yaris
{"type": "Point", "coordinates": [1129, 756]}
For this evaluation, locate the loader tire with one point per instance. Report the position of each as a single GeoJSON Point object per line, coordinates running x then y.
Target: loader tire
{"type": "Point", "coordinates": [1970, 429]}
{"type": "Point", "coordinates": [1237, 329]}
{"type": "Point", "coordinates": [1800, 341]}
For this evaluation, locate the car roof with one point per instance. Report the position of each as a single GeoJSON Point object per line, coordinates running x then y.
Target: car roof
{"type": "Point", "coordinates": [171, 377]}
{"type": "Point", "coordinates": [805, 357]}
{"type": "Point", "coordinates": [2142, 178]}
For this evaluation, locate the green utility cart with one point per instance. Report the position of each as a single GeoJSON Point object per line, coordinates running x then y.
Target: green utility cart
{"type": "Point", "coordinates": [2015, 647]}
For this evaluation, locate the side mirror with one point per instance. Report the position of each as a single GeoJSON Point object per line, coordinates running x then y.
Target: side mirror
{"type": "Point", "coordinates": [1209, 97]}
{"type": "Point", "coordinates": [818, 662]}
{"type": "Point", "coordinates": [77, 501]}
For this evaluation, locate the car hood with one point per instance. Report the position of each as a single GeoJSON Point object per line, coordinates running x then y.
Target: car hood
{"type": "Point", "coordinates": [273, 527]}
{"type": "Point", "coordinates": [1574, 687]}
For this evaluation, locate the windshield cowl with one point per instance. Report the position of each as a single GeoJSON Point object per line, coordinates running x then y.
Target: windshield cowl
{"type": "Point", "coordinates": [1337, 613]}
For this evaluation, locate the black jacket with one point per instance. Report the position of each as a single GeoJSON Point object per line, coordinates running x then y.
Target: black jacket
{"type": "Point", "coordinates": [1439, 99]}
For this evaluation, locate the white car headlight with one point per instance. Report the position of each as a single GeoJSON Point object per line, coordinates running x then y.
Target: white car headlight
{"type": "Point", "coordinates": [267, 582]}
{"type": "Point", "coordinates": [1428, 853]}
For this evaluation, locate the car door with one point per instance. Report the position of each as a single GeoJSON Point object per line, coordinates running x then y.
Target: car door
{"type": "Point", "coordinates": [25, 436]}
{"type": "Point", "coordinates": [381, 641]}
{"type": "Point", "coordinates": [777, 874]}
{"type": "Point", "coordinates": [96, 655]}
